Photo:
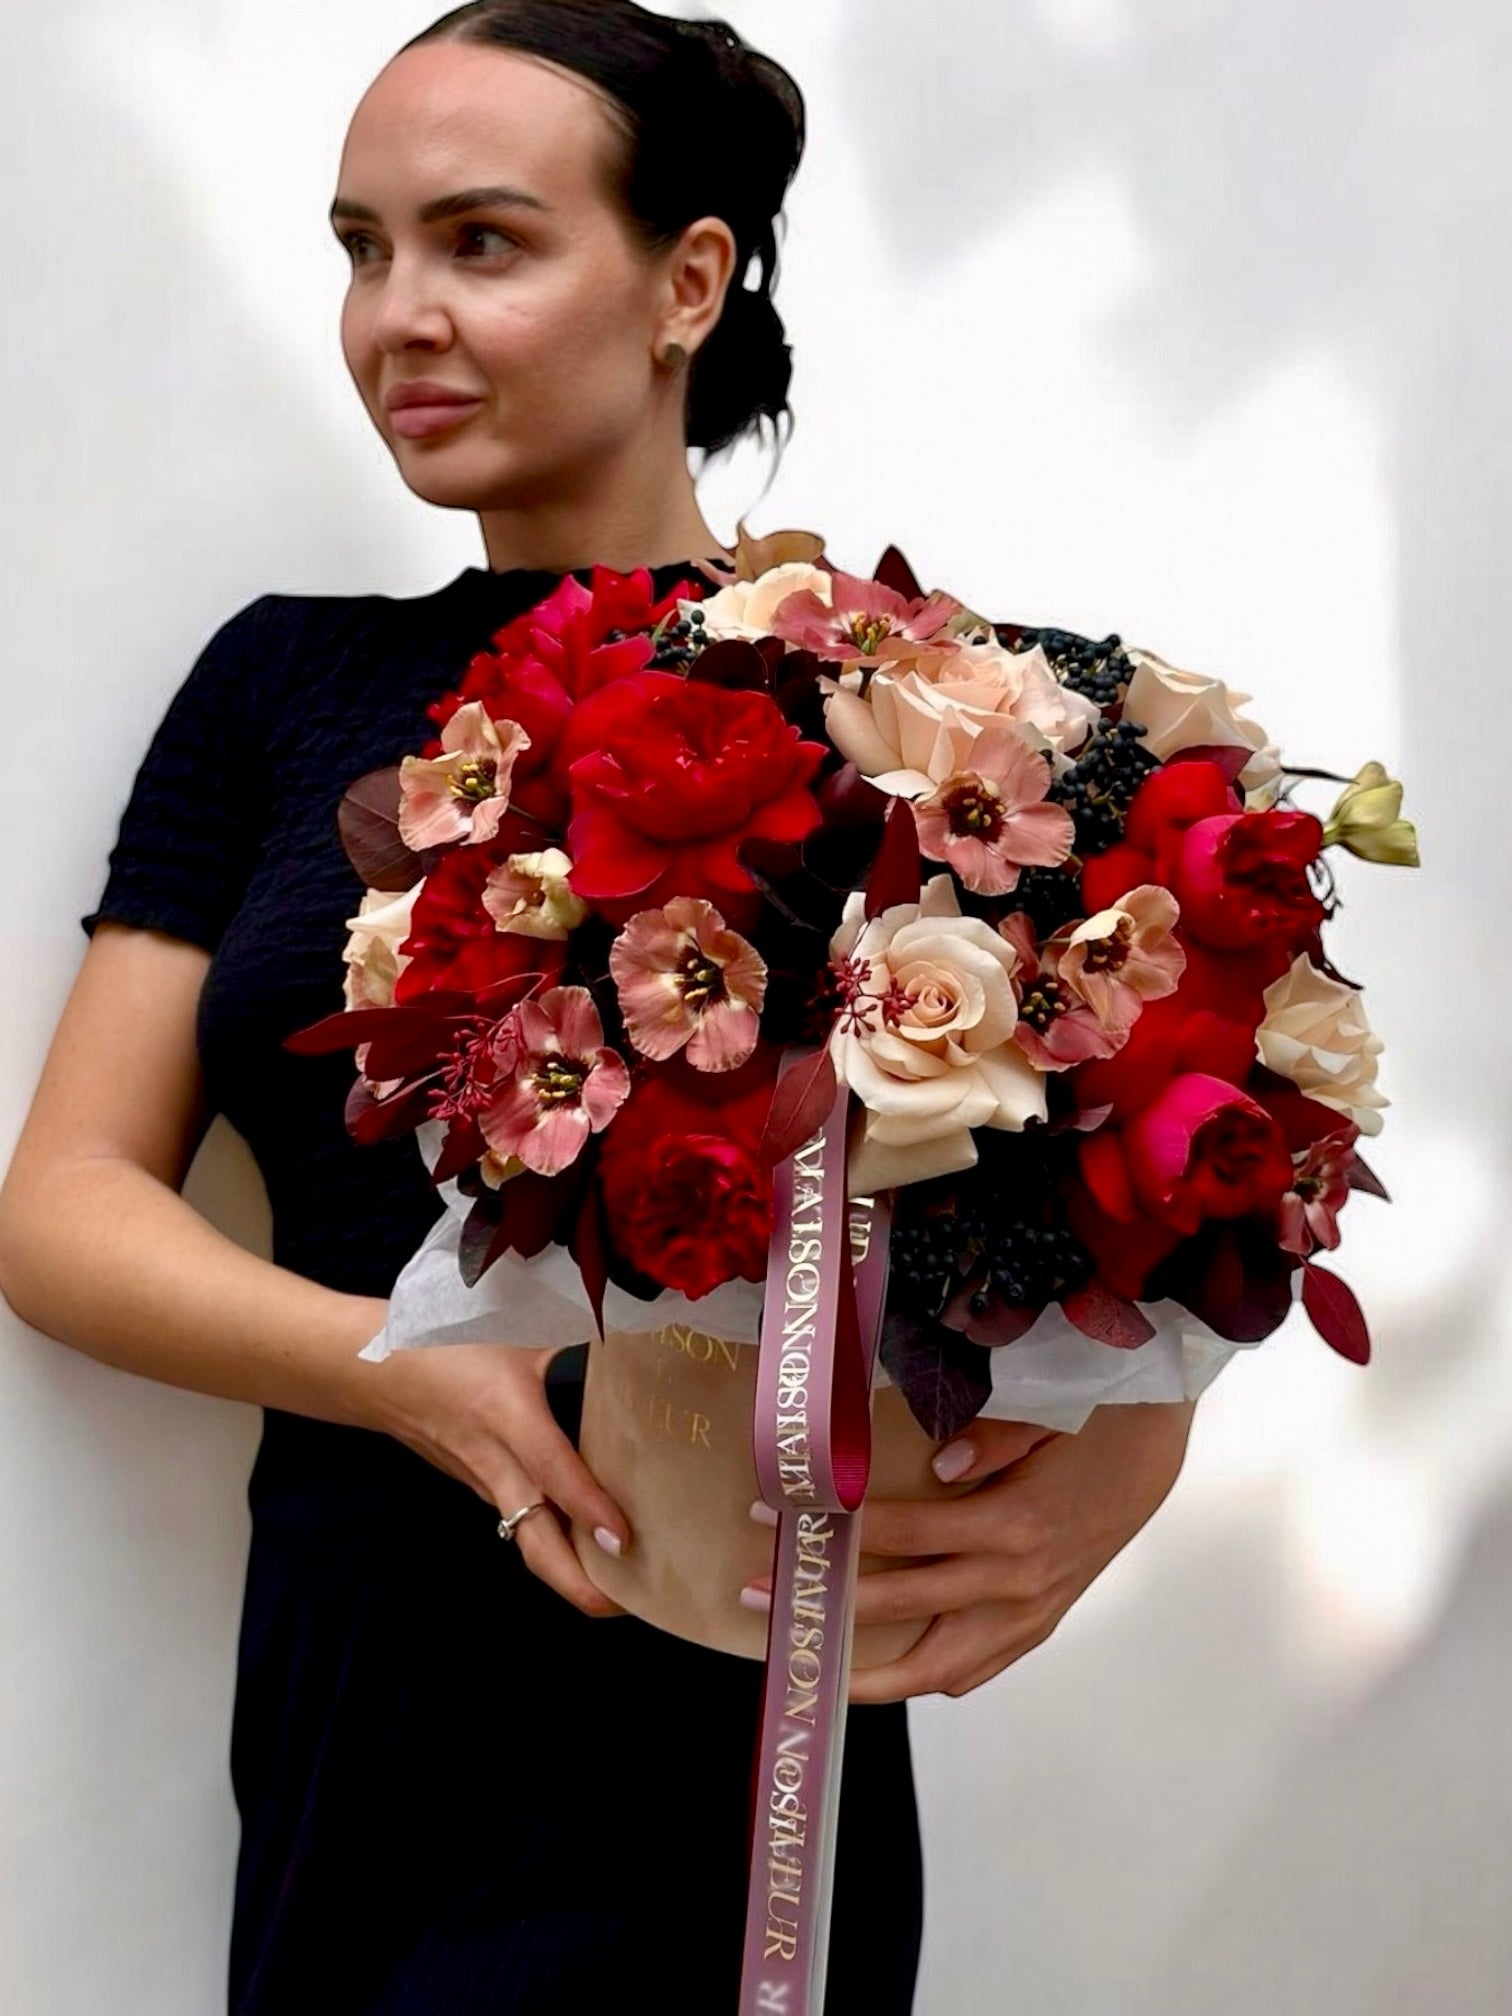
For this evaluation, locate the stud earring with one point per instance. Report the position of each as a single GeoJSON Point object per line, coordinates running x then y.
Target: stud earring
{"type": "Point", "coordinates": [674, 354]}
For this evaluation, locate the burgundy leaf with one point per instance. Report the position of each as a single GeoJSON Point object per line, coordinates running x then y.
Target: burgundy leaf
{"type": "Point", "coordinates": [1098, 1312]}
{"type": "Point", "coordinates": [733, 663]}
{"type": "Point", "coordinates": [894, 876]}
{"type": "Point", "coordinates": [1230, 757]}
{"type": "Point", "coordinates": [849, 799]}
{"type": "Point", "coordinates": [460, 1150]}
{"type": "Point", "coordinates": [368, 821]}
{"type": "Point", "coordinates": [1336, 1315]}
{"type": "Point", "coordinates": [341, 1031]}
{"type": "Point", "coordinates": [369, 1119]}
{"type": "Point", "coordinates": [1360, 1176]}
{"type": "Point", "coordinates": [945, 1380]}
{"type": "Point", "coordinates": [894, 572]}
{"type": "Point", "coordinates": [804, 1095]}
{"type": "Point", "coordinates": [475, 1245]}
{"type": "Point", "coordinates": [589, 1247]}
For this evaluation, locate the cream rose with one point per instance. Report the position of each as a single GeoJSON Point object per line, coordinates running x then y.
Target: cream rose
{"type": "Point", "coordinates": [1189, 710]}
{"type": "Point", "coordinates": [948, 1063]}
{"type": "Point", "coordinates": [745, 608]}
{"type": "Point", "coordinates": [1315, 1034]}
{"type": "Point", "coordinates": [915, 729]}
{"type": "Point", "coordinates": [373, 959]}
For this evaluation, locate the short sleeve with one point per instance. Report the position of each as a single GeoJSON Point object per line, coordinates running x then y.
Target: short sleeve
{"type": "Point", "coordinates": [192, 825]}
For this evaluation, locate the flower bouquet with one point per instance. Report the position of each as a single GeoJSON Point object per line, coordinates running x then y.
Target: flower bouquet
{"type": "Point", "coordinates": [937, 1005]}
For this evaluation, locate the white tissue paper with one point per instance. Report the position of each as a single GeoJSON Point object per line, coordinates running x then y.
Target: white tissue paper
{"type": "Point", "coordinates": [1053, 1375]}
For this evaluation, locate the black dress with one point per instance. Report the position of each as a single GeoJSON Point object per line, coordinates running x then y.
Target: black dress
{"type": "Point", "coordinates": [457, 1793]}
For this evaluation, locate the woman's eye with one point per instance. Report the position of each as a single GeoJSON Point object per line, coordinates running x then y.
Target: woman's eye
{"type": "Point", "coordinates": [470, 233]}
{"type": "Point", "coordinates": [355, 240]}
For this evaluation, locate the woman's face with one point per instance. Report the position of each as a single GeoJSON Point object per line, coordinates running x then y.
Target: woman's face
{"type": "Point", "coordinates": [535, 306]}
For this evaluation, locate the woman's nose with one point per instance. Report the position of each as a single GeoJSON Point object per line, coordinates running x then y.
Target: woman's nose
{"type": "Point", "coordinates": [410, 310]}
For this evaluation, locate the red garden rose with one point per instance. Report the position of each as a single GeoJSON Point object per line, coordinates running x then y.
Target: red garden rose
{"type": "Point", "coordinates": [668, 776]}
{"type": "Point", "coordinates": [688, 1203]}
{"type": "Point", "coordinates": [454, 942]}
{"type": "Point", "coordinates": [552, 656]}
{"type": "Point", "coordinates": [1200, 1149]}
{"type": "Point", "coordinates": [1241, 881]}
{"type": "Point", "coordinates": [1240, 877]}
{"type": "Point", "coordinates": [1169, 801]}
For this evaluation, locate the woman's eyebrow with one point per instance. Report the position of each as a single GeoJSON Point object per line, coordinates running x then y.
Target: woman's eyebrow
{"type": "Point", "coordinates": [441, 207]}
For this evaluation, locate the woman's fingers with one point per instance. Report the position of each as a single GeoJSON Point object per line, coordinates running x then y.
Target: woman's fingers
{"type": "Point", "coordinates": [547, 1452]}
{"type": "Point", "coordinates": [545, 1546]}
{"type": "Point", "coordinates": [549, 1554]}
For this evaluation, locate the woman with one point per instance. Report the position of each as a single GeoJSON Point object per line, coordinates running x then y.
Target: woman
{"type": "Point", "coordinates": [465, 1783]}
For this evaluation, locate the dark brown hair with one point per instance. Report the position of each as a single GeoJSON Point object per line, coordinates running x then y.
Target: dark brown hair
{"type": "Point", "coordinates": [706, 126]}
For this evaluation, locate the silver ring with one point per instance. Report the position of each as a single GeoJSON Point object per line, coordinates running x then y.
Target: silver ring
{"type": "Point", "coordinates": [507, 1526]}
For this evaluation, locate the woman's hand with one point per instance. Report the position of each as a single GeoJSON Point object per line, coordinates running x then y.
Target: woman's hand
{"type": "Point", "coordinates": [1018, 1551]}
{"type": "Point", "coordinates": [480, 1412]}
{"type": "Point", "coordinates": [1010, 1557]}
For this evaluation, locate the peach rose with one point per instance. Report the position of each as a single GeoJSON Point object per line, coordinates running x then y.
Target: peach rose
{"type": "Point", "coordinates": [1315, 1034]}
{"type": "Point", "coordinates": [745, 608]}
{"type": "Point", "coordinates": [1189, 710]}
{"type": "Point", "coordinates": [926, 1037]}
{"type": "Point", "coordinates": [373, 959]}
{"type": "Point", "coordinates": [912, 731]}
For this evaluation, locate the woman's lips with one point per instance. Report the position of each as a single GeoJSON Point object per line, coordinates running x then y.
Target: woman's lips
{"type": "Point", "coordinates": [414, 421]}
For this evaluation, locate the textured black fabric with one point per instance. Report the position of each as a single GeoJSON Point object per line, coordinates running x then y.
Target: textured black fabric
{"type": "Point", "coordinates": [457, 1793]}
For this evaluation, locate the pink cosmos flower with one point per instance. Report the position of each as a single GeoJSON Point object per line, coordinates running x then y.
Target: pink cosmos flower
{"type": "Point", "coordinates": [864, 623]}
{"type": "Point", "coordinates": [1124, 955]}
{"type": "Point", "coordinates": [463, 793]}
{"type": "Point", "coordinates": [990, 819]}
{"type": "Point", "coordinates": [557, 1081]}
{"type": "Point", "coordinates": [685, 978]}
{"type": "Point", "coordinates": [1057, 1026]}
{"type": "Point", "coordinates": [1309, 1212]}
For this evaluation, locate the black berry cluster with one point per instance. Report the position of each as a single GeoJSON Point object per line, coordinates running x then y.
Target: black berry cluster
{"type": "Point", "coordinates": [1099, 668]}
{"type": "Point", "coordinates": [1051, 897]}
{"type": "Point", "coordinates": [1025, 1260]}
{"type": "Point", "coordinates": [679, 642]}
{"type": "Point", "coordinates": [922, 1261]}
{"type": "Point", "coordinates": [1099, 786]}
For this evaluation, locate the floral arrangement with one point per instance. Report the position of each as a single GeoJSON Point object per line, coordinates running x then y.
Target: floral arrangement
{"type": "Point", "coordinates": [1045, 904]}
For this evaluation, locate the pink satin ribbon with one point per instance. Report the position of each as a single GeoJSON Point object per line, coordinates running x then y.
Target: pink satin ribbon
{"type": "Point", "coordinates": [826, 1287]}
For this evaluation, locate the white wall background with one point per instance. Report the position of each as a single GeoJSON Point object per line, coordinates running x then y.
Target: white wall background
{"type": "Point", "coordinates": [1185, 318]}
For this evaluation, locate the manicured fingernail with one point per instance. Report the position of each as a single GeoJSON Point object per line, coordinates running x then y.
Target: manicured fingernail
{"type": "Point", "coordinates": [756, 1599]}
{"type": "Point", "coordinates": [763, 1514]}
{"type": "Point", "coordinates": [953, 1461]}
{"type": "Point", "coordinates": [610, 1542]}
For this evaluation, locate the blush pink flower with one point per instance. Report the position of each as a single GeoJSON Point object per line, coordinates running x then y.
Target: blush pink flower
{"type": "Point", "coordinates": [1125, 955]}
{"type": "Point", "coordinates": [1057, 1027]}
{"type": "Point", "coordinates": [990, 818]}
{"type": "Point", "coordinates": [463, 793]}
{"type": "Point", "coordinates": [530, 893]}
{"type": "Point", "coordinates": [864, 622]}
{"type": "Point", "coordinates": [558, 1082]}
{"type": "Point", "coordinates": [1308, 1215]}
{"type": "Point", "coordinates": [686, 980]}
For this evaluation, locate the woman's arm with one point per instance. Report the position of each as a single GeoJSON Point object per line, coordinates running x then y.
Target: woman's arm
{"type": "Point", "coordinates": [97, 1247]}
{"type": "Point", "coordinates": [99, 1250]}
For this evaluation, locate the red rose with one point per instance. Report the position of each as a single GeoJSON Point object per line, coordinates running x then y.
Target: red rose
{"type": "Point", "coordinates": [1169, 801]}
{"type": "Point", "coordinates": [552, 656]}
{"type": "Point", "coordinates": [453, 942]}
{"type": "Point", "coordinates": [1241, 881]}
{"type": "Point", "coordinates": [686, 1199]}
{"type": "Point", "coordinates": [1176, 1034]}
{"type": "Point", "coordinates": [1200, 1149]}
{"type": "Point", "coordinates": [668, 776]}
